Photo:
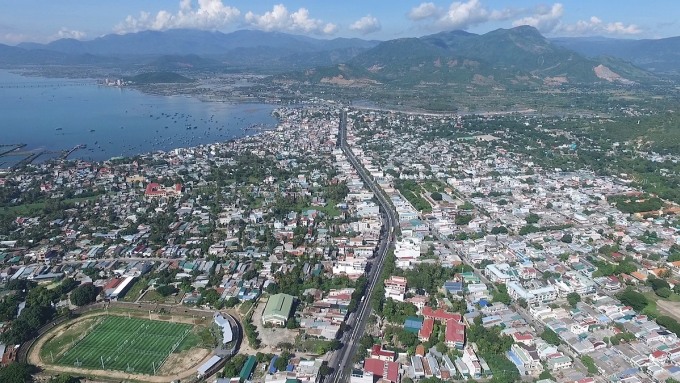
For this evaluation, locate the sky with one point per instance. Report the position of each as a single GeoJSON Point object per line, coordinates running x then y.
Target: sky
{"type": "Point", "coordinates": [47, 20]}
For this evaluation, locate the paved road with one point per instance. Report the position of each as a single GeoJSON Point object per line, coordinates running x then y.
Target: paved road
{"type": "Point", "coordinates": [341, 360]}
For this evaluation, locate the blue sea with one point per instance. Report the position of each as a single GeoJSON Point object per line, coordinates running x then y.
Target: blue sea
{"type": "Point", "coordinates": [51, 115]}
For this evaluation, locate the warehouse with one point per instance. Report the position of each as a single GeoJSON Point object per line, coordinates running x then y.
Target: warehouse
{"type": "Point", "coordinates": [278, 309]}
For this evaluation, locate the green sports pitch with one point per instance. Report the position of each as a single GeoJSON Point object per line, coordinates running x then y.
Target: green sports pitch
{"type": "Point", "coordinates": [133, 345]}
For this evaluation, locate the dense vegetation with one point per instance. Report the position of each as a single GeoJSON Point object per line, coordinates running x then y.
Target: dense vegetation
{"type": "Point", "coordinates": [412, 192]}
{"type": "Point", "coordinates": [84, 294]}
{"type": "Point", "coordinates": [39, 308]}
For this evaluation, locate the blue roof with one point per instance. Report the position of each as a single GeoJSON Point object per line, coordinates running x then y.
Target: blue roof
{"type": "Point", "coordinates": [483, 302]}
{"type": "Point", "coordinates": [290, 367]}
{"type": "Point", "coordinates": [628, 372]}
{"type": "Point", "coordinates": [272, 367]}
{"type": "Point", "coordinates": [413, 323]}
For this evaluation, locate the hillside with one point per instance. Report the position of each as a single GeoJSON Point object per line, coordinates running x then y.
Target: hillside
{"type": "Point", "coordinates": [516, 57]}
{"type": "Point", "coordinates": [655, 55]}
{"type": "Point", "coordinates": [196, 42]}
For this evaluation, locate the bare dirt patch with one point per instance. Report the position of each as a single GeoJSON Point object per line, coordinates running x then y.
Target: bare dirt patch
{"type": "Point", "coordinates": [671, 309]}
{"type": "Point", "coordinates": [177, 363]}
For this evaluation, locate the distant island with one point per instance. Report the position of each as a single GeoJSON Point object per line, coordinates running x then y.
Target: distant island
{"type": "Point", "coordinates": [159, 78]}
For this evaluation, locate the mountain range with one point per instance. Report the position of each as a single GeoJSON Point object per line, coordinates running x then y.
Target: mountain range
{"type": "Point", "coordinates": [511, 57]}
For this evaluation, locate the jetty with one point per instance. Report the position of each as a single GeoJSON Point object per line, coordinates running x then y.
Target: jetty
{"type": "Point", "coordinates": [66, 153]}
{"type": "Point", "coordinates": [12, 148]}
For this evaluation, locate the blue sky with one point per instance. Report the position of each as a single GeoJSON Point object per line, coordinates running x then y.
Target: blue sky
{"type": "Point", "coordinates": [46, 20]}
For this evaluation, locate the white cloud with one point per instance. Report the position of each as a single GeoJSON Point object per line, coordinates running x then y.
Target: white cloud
{"type": "Point", "coordinates": [279, 19]}
{"type": "Point", "coordinates": [595, 25]}
{"type": "Point", "coordinates": [545, 19]}
{"type": "Point", "coordinates": [65, 33]}
{"type": "Point", "coordinates": [549, 20]}
{"type": "Point", "coordinates": [423, 11]}
{"type": "Point", "coordinates": [210, 14]}
{"type": "Point", "coordinates": [13, 38]}
{"type": "Point", "coordinates": [459, 15]}
{"type": "Point", "coordinates": [365, 25]}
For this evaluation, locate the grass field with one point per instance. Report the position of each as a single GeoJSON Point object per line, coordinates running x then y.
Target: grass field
{"type": "Point", "coordinates": [126, 344]}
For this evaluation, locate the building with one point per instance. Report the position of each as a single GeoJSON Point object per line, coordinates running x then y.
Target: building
{"type": "Point", "coordinates": [278, 309]}
{"type": "Point", "coordinates": [395, 288]}
{"type": "Point", "coordinates": [377, 352]}
{"type": "Point", "coordinates": [455, 333]}
{"type": "Point", "coordinates": [154, 190]}
{"type": "Point", "coordinates": [500, 273]}
{"type": "Point", "coordinates": [248, 368]}
{"type": "Point", "coordinates": [388, 371]}
{"type": "Point", "coordinates": [532, 296]}
{"type": "Point", "coordinates": [225, 326]}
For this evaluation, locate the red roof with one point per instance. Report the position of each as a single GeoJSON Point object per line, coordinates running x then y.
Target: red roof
{"type": "Point", "coordinates": [520, 336]}
{"type": "Point", "coordinates": [112, 283]}
{"type": "Point", "coordinates": [385, 370]}
{"type": "Point", "coordinates": [441, 314]}
{"type": "Point", "coordinates": [378, 351]}
{"type": "Point", "coordinates": [658, 354]}
{"type": "Point", "coordinates": [455, 331]}
{"type": "Point", "coordinates": [154, 189]}
{"type": "Point", "coordinates": [426, 330]}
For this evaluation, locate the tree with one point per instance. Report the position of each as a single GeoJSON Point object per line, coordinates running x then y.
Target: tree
{"type": "Point", "coordinates": [664, 292]}
{"type": "Point", "coordinates": [282, 361]}
{"type": "Point", "coordinates": [590, 364]}
{"type": "Point", "coordinates": [463, 219]}
{"type": "Point", "coordinates": [84, 294]}
{"type": "Point", "coordinates": [545, 375]}
{"type": "Point", "coordinates": [64, 379]}
{"type": "Point", "coordinates": [292, 324]}
{"type": "Point", "coordinates": [231, 302]}
{"type": "Point", "coordinates": [501, 294]}
{"type": "Point", "coordinates": [567, 238]}
{"type": "Point", "coordinates": [325, 370]}
{"type": "Point", "coordinates": [436, 196]}
{"type": "Point", "coordinates": [532, 218]}
{"type": "Point", "coordinates": [17, 373]}
{"type": "Point", "coordinates": [633, 299]}
{"type": "Point", "coordinates": [166, 290]}
{"type": "Point", "coordinates": [573, 299]}
{"type": "Point", "coordinates": [551, 337]}
{"type": "Point", "coordinates": [522, 303]}
{"type": "Point", "coordinates": [234, 365]}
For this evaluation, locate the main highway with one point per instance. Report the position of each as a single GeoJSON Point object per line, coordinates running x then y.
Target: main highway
{"type": "Point", "coordinates": [341, 360]}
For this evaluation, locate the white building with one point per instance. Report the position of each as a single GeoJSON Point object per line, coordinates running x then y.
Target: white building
{"type": "Point", "coordinates": [500, 273]}
{"type": "Point", "coordinates": [532, 296]}
{"type": "Point", "coordinates": [395, 288]}
{"type": "Point", "coordinates": [408, 247]}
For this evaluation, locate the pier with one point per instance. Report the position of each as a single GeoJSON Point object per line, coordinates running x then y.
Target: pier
{"type": "Point", "coordinates": [32, 157]}
{"type": "Point", "coordinates": [13, 147]}
{"type": "Point", "coordinates": [66, 153]}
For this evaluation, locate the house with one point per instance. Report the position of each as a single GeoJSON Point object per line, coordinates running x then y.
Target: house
{"type": "Point", "coordinates": [455, 334]}
{"type": "Point", "coordinates": [377, 352]}
{"type": "Point", "coordinates": [388, 371]}
{"type": "Point", "coordinates": [525, 358]}
{"type": "Point", "coordinates": [395, 288]}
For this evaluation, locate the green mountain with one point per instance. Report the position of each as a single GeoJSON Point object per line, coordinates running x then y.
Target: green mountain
{"type": "Point", "coordinates": [655, 55]}
{"type": "Point", "coordinates": [516, 57]}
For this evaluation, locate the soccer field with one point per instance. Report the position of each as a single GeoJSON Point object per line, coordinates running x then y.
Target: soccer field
{"type": "Point", "coordinates": [126, 344]}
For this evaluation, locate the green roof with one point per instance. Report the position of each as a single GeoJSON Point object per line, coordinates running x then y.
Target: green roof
{"type": "Point", "coordinates": [278, 307]}
{"type": "Point", "coordinates": [248, 368]}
